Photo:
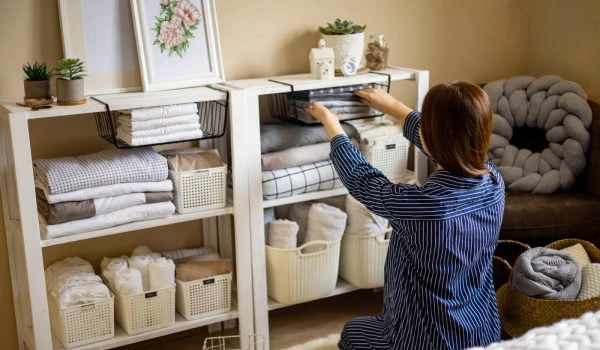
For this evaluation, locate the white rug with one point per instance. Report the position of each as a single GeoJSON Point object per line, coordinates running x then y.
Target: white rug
{"type": "Point", "coordinates": [328, 343]}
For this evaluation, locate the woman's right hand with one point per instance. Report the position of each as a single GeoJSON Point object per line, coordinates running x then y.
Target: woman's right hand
{"type": "Point", "coordinates": [384, 102]}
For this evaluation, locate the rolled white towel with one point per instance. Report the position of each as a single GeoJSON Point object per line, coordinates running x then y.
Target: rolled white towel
{"type": "Point", "coordinates": [361, 221]}
{"type": "Point", "coordinates": [112, 266]}
{"type": "Point", "coordinates": [141, 264]}
{"type": "Point", "coordinates": [325, 223]}
{"type": "Point", "coordinates": [299, 214]}
{"type": "Point", "coordinates": [91, 292]}
{"type": "Point", "coordinates": [155, 255]}
{"type": "Point", "coordinates": [128, 282]}
{"type": "Point", "coordinates": [283, 234]}
{"type": "Point", "coordinates": [141, 250]}
{"type": "Point", "coordinates": [162, 273]}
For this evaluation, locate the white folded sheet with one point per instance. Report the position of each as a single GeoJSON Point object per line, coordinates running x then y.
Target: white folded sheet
{"type": "Point", "coordinates": [106, 191]}
{"type": "Point", "coordinates": [167, 130]}
{"type": "Point", "coordinates": [148, 113]}
{"type": "Point", "coordinates": [152, 140]}
{"type": "Point", "coordinates": [158, 123]}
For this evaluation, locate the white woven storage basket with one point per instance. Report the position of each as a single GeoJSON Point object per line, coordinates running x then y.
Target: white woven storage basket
{"type": "Point", "coordinates": [82, 324]}
{"type": "Point", "coordinates": [362, 259]}
{"type": "Point", "coordinates": [389, 154]}
{"type": "Point", "coordinates": [146, 311]}
{"type": "Point", "coordinates": [295, 277]}
{"type": "Point", "coordinates": [205, 297]}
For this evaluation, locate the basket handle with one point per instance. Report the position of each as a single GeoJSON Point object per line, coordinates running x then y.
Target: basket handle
{"type": "Point", "coordinates": [382, 238]}
{"type": "Point", "coordinates": [314, 243]}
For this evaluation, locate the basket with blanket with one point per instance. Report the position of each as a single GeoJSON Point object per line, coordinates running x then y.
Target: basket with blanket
{"type": "Point", "coordinates": [340, 100]}
{"type": "Point", "coordinates": [548, 284]}
{"type": "Point", "coordinates": [162, 124]}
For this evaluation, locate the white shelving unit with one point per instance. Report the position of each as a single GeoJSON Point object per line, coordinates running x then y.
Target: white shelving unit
{"type": "Point", "coordinates": [254, 89]}
{"type": "Point", "coordinates": [25, 247]}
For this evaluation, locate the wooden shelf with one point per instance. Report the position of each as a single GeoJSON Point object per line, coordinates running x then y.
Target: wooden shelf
{"type": "Point", "coordinates": [342, 287]}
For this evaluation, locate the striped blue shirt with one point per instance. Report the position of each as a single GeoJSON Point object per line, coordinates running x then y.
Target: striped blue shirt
{"type": "Point", "coordinates": [439, 291]}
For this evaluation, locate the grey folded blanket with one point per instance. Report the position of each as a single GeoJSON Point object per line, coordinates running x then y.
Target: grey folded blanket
{"type": "Point", "coordinates": [282, 136]}
{"type": "Point", "coordinates": [328, 93]}
{"type": "Point", "coordinates": [547, 274]}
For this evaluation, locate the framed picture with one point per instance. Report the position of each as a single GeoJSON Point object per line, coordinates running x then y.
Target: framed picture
{"type": "Point", "coordinates": [100, 33]}
{"type": "Point", "coordinates": [178, 43]}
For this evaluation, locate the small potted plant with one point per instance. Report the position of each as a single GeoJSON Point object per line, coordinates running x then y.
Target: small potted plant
{"type": "Point", "coordinates": [37, 81]}
{"type": "Point", "coordinates": [70, 82]}
{"type": "Point", "coordinates": [347, 40]}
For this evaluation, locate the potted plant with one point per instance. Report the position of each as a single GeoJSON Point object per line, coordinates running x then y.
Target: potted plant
{"type": "Point", "coordinates": [37, 81]}
{"type": "Point", "coordinates": [347, 40]}
{"type": "Point", "coordinates": [70, 82]}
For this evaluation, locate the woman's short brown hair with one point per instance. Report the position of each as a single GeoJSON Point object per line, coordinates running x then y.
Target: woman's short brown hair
{"type": "Point", "coordinates": [456, 126]}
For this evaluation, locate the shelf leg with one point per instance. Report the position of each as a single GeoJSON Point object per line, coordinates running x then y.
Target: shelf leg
{"type": "Point", "coordinates": [421, 161]}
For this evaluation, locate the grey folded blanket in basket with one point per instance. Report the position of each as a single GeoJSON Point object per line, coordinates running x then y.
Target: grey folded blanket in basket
{"type": "Point", "coordinates": [547, 274]}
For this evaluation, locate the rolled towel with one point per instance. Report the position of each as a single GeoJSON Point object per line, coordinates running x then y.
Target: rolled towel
{"type": "Point", "coordinates": [590, 281]}
{"type": "Point", "coordinates": [299, 214]}
{"type": "Point", "coordinates": [129, 282]}
{"type": "Point", "coordinates": [155, 255]}
{"type": "Point", "coordinates": [162, 273]}
{"type": "Point", "coordinates": [361, 221]}
{"type": "Point", "coordinates": [325, 223]}
{"type": "Point", "coordinates": [91, 292]}
{"type": "Point", "coordinates": [112, 266]}
{"type": "Point", "coordinates": [547, 274]}
{"type": "Point", "coordinates": [578, 252]}
{"type": "Point", "coordinates": [184, 253]}
{"type": "Point", "coordinates": [197, 270]}
{"type": "Point", "coordinates": [141, 264]}
{"type": "Point", "coordinates": [201, 257]}
{"type": "Point", "coordinates": [141, 250]}
{"type": "Point", "coordinates": [283, 234]}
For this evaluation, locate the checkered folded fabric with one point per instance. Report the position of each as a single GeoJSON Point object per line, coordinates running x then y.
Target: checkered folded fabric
{"type": "Point", "coordinates": [328, 93]}
{"type": "Point", "coordinates": [287, 182]}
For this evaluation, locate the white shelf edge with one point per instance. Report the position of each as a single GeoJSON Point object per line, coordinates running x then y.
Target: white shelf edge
{"type": "Point", "coordinates": [181, 324]}
{"type": "Point", "coordinates": [305, 197]}
{"type": "Point", "coordinates": [342, 287]}
{"type": "Point", "coordinates": [159, 98]}
{"type": "Point", "coordinates": [139, 225]}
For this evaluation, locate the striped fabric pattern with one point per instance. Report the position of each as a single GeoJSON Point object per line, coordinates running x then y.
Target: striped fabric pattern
{"type": "Point", "coordinates": [439, 291]}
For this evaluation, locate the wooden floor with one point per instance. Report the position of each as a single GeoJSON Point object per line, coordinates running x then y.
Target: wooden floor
{"type": "Point", "coordinates": [289, 326]}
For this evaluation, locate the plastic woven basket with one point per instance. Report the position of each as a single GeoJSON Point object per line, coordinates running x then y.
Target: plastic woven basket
{"type": "Point", "coordinates": [362, 259]}
{"type": "Point", "coordinates": [389, 154]}
{"type": "Point", "coordinates": [205, 297]}
{"type": "Point", "coordinates": [295, 277]}
{"type": "Point", "coordinates": [146, 311]}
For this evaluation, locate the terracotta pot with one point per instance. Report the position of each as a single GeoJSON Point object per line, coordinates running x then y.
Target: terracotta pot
{"type": "Point", "coordinates": [37, 89]}
{"type": "Point", "coordinates": [346, 46]}
{"type": "Point", "coordinates": [69, 90]}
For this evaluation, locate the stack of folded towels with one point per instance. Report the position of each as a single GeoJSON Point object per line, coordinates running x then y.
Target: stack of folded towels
{"type": "Point", "coordinates": [156, 125]}
{"type": "Point", "coordinates": [198, 263]}
{"type": "Point", "coordinates": [143, 271]}
{"type": "Point", "coordinates": [295, 159]}
{"type": "Point", "coordinates": [72, 282]}
{"type": "Point", "coordinates": [340, 100]}
{"type": "Point", "coordinates": [101, 190]}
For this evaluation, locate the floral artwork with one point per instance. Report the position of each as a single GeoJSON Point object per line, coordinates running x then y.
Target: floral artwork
{"type": "Point", "coordinates": [175, 26]}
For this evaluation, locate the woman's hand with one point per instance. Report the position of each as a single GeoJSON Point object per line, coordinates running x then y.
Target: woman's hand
{"type": "Point", "coordinates": [330, 121]}
{"type": "Point", "coordinates": [384, 102]}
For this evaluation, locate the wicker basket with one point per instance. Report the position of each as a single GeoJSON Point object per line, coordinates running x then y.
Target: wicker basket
{"type": "Point", "coordinates": [295, 277]}
{"type": "Point", "coordinates": [205, 297]}
{"type": "Point", "coordinates": [362, 259]}
{"type": "Point", "coordinates": [389, 154]}
{"type": "Point", "coordinates": [520, 313]}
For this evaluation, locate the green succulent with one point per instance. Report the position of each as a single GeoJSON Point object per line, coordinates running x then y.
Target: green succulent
{"type": "Point", "coordinates": [37, 72]}
{"type": "Point", "coordinates": [71, 68]}
{"type": "Point", "coordinates": [340, 27]}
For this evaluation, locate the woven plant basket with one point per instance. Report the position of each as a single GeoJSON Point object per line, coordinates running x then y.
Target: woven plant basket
{"type": "Point", "coordinates": [520, 313]}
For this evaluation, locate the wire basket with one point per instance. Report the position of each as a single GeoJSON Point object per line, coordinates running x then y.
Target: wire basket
{"type": "Point", "coordinates": [288, 106]}
{"type": "Point", "coordinates": [213, 120]}
{"type": "Point", "coordinates": [235, 342]}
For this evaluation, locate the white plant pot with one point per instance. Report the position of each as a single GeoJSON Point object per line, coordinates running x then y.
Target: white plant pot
{"type": "Point", "coordinates": [346, 46]}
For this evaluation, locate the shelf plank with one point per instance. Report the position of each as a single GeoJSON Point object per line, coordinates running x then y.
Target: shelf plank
{"type": "Point", "coordinates": [160, 98]}
{"type": "Point", "coordinates": [139, 225]}
{"type": "Point", "coordinates": [181, 324]}
{"type": "Point", "coordinates": [342, 287]}
{"type": "Point", "coordinates": [91, 106]}
{"type": "Point", "coordinates": [305, 197]}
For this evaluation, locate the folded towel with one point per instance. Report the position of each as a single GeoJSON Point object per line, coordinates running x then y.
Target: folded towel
{"type": "Point", "coordinates": [167, 130]}
{"type": "Point", "coordinates": [129, 282]}
{"type": "Point", "coordinates": [161, 273]}
{"type": "Point", "coordinates": [282, 136]}
{"type": "Point", "coordinates": [149, 113]}
{"type": "Point", "coordinates": [69, 265]}
{"type": "Point", "coordinates": [287, 182]}
{"type": "Point", "coordinates": [184, 253]}
{"type": "Point", "coordinates": [325, 223]}
{"type": "Point", "coordinates": [192, 162]}
{"type": "Point", "coordinates": [113, 166]}
{"type": "Point", "coordinates": [339, 103]}
{"type": "Point", "coordinates": [309, 119]}
{"type": "Point", "coordinates": [153, 140]}
{"type": "Point", "coordinates": [283, 234]}
{"type": "Point", "coordinates": [127, 124]}
{"type": "Point", "coordinates": [299, 214]}
{"type": "Point", "coordinates": [56, 287]}
{"type": "Point", "coordinates": [201, 257]}
{"type": "Point", "coordinates": [106, 191]}
{"type": "Point", "coordinates": [92, 292]}
{"type": "Point", "coordinates": [111, 267]}
{"type": "Point", "coordinates": [590, 281]}
{"type": "Point", "coordinates": [141, 250]}
{"type": "Point", "coordinates": [115, 218]}
{"type": "Point", "coordinates": [72, 281]}
{"type": "Point", "coordinates": [68, 211]}
{"type": "Point", "coordinates": [142, 264]}
{"type": "Point", "coordinates": [579, 254]}
{"type": "Point", "coordinates": [547, 274]}
{"type": "Point", "coordinates": [197, 270]}
{"type": "Point", "coordinates": [361, 221]}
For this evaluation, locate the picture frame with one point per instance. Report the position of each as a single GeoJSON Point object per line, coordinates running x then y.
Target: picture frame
{"type": "Point", "coordinates": [101, 34]}
{"type": "Point", "coordinates": [178, 43]}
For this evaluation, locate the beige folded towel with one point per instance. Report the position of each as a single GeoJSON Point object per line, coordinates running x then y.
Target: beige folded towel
{"type": "Point", "coordinates": [325, 223]}
{"type": "Point", "coordinates": [197, 270]}
{"type": "Point", "coordinates": [578, 252]}
{"type": "Point", "coordinates": [590, 281]}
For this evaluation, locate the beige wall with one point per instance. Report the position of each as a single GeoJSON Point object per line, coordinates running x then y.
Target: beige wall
{"type": "Point", "coordinates": [462, 39]}
{"type": "Point", "coordinates": [564, 39]}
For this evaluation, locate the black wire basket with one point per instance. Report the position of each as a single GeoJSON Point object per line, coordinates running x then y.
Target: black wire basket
{"type": "Point", "coordinates": [213, 122]}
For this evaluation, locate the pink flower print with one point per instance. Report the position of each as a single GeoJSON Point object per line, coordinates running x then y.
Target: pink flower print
{"type": "Point", "coordinates": [165, 2]}
{"type": "Point", "coordinates": [171, 33]}
{"type": "Point", "coordinates": [187, 12]}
